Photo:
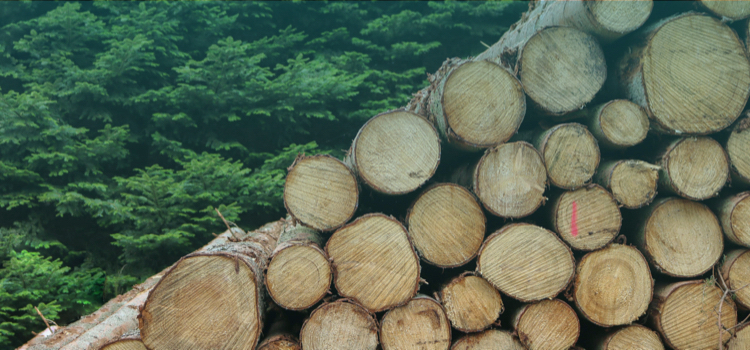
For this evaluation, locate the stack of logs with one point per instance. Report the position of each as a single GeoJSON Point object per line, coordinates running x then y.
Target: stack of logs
{"type": "Point", "coordinates": [571, 186]}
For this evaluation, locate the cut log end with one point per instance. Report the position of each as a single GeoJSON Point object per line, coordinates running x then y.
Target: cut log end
{"type": "Point", "coordinates": [396, 152]}
{"type": "Point", "coordinates": [737, 146]}
{"type": "Point", "coordinates": [735, 271]}
{"type": "Point", "coordinates": [571, 155]}
{"type": "Point", "coordinates": [339, 325]}
{"type": "Point", "coordinates": [562, 82]}
{"type": "Point", "coordinates": [446, 225]}
{"type": "Point", "coordinates": [633, 183]}
{"type": "Point", "coordinates": [510, 180]}
{"type": "Point", "coordinates": [489, 339]}
{"type": "Point", "coordinates": [695, 168]}
{"type": "Point", "coordinates": [613, 286]}
{"type": "Point", "coordinates": [298, 277]}
{"type": "Point", "coordinates": [734, 214]}
{"type": "Point", "coordinates": [280, 342]}
{"type": "Point", "coordinates": [622, 123]}
{"type": "Point", "coordinates": [124, 344]}
{"type": "Point", "coordinates": [620, 17]}
{"type": "Point", "coordinates": [732, 10]}
{"type": "Point", "coordinates": [632, 337]}
{"type": "Point", "coordinates": [526, 262]}
{"type": "Point", "coordinates": [471, 303]}
{"type": "Point", "coordinates": [741, 340]}
{"type": "Point", "coordinates": [548, 324]}
{"type": "Point", "coordinates": [374, 262]}
{"type": "Point", "coordinates": [587, 218]}
{"type": "Point", "coordinates": [421, 324]}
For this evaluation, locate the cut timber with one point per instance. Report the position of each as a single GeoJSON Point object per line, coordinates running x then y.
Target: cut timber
{"type": "Point", "coordinates": [741, 339]}
{"type": "Point", "coordinates": [374, 262]}
{"type": "Point", "coordinates": [446, 225]}
{"type": "Point", "coordinates": [510, 180]}
{"type": "Point", "coordinates": [299, 274]}
{"type": "Point", "coordinates": [616, 124]}
{"type": "Point", "coordinates": [634, 337]}
{"type": "Point", "coordinates": [476, 104]}
{"type": "Point", "coordinates": [613, 286]}
{"type": "Point", "coordinates": [694, 167]}
{"type": "Point", "coordinates": [526, 262]}
{"type": "Point", "coordinates": [633, 183]}
{"type": "Point", "coordinates": [561, 68]}
{"type": "Point", "coordinates": [685, 313]}
{"type": "Point", "coordinates": [280, 335]}
{"type": "Point", "coordinates": [731, 10]}
{"type": "Point", "coordinates": [471, 303]}
{"type": "Point", "coordinates": [735, 271]}
{"type": "Point", "coordinates": [587, 218]}
{"type": "Point", "coordinates": [340, 325]}
{"type": "Point", "coordinates": [734, 214]}
{"type": "Point", "coordinates": [548, 324]}
{"type": "Point", "coordinates": [125, 344]}
{"type": "Point", "coordinates": [737, 146]}
{"type": "Point", "coordinates": [570, 154]}
{"type": "Point", "coordinates": [212, 298]}
{"type": "Point", "coordinates": [679, 237]}
{"type": "Point", "coordinates": [689, 72]}
{"type": "Point", "coordinates": [421, 324]}
{"type": "Point", "coordinates": [395, 152]}
{"type": "Point", "coordinates": [490, 339]}
{"type": "Point", "coordinates": [321, 192]}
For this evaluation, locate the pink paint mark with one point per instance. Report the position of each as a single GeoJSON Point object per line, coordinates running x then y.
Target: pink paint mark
{"type": "Point", "coordinates": [574, 220]}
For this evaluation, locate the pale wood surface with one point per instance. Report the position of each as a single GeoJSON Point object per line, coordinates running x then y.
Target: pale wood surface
{"type": "Point", "coordinates": [633, 183]}
{"type": "Point", "coordinates": [570, 154]}
{"type": "Point", "coordinates": [548, 324]}
{"type": "Point", "coordinates": [695, 168]}
{"type": "Point", "coordinates": [421, 324]}
{"type": "Point", "coordinates": [633, 337]}
{"type": "Point", "coordinates": [737, 146]}
{"type": "Point", "coordinates": [491, 339]}
{"type": "Point", "coordinates": [125, 344]}
{"type": "Point", "coordinates": [471, 303]}
{"type": "Point", "coordinates": [733, 212]}
{"type": "Point", "coordinates": [587, 218]}
{"type": "Point", "coordinates": [340, 325]}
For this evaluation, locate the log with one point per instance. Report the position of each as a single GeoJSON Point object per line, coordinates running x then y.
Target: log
{"type": "Point", "coordinates": [470, 302]}
{"type": "Point", "coordinates": [510, 180]}
{"type": "Point", "coordinates": [561, 68]}
{"type": "Point", "coordinates": [212, 298]}
{"type": "Point", "coordinates": [129, 343]}
{"type": "Point", "coordinates": [727, 10]}
{"type": "Point", "coordinates": [741, 339]}
{"type": "Point", "coordinates": [526, 262]}
{"type": "Point", "coordinates": [686, 314]}
{"type": "Point", "coordinates": [321, 192]}
{"type": "Point", "coordinates": [281, 335]}
{"type": "Point", "coordinates": [299, 274]}
{"type": "Point", "coordinates": [735, 273]}
{"type": "Point", "coordinates": [374, 262]}
{"type": "Point", "coordinates": [695, 168]}
{"type": "Point", "coordinates": [570, 154]}
{"type": "Point", "coordinates": [633, 183]}
{"type": "Point", "coordinates": [616, 124]}
{"type": "Point", "coordinates": [340, 325]}
{"type": "Point", "coordinates": [395, 152]}
{"type": "Point", "coordinates": [689, 72]}
{"type": "Point", "coordinates": [446, 225]}
{"type": "Point", "coordinates": [737, 145]}
{"type": "Point", "coordinates": [628, 338]}
{"type": "Point", "coordinates": [421, 324]}
{"type": "Point", "coordinates": [613, 285]}
{"type": "Point", "coordinates": [587, 218]}
{"type": "Point", "coordinates": [680, 238]}
{"type": "Point", "coordinates": [734, 214]}
{"type": "Point", "coordinates": [489, 339]}
{"type": "Point", "coordinates": [548, 324]}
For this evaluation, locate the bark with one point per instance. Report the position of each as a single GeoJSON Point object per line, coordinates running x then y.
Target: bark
{"type": "Point", "coordinates": [617, 124]}
{"type": "Point", "coordinates": [471, 303]}
{"type": "Point", "coordinates": [130, 343]}
{"type": "Point", "coordinates": [680, 238]}
{"type": "Point", "coordinates": [695, 168]}
{"type": "Point", "coordinates": [587, 218]}
{"type": "Point", "coordinates": [689, 72]}
{"type": "Point", "coordinates": [489, 339]}
{"type": "Point", "coordinates": [735, 272]}
{"type": "Point", "coordinates": [737, 146]}
{"type": "Point", "coordinates": [630, 337]}
{"type": "Point", "coordinates": [446, 225]}
{"type": "Point", "coordinates": [212, 298]}
{"type": "Point", "coordinates": [633, 183]}
{"type": "Point", "coordinates": [526, 262]}
{"type": "Point", "coordinates": [421, 324]}
{"type": "Point", "coordinates": [340, 325]}
{"type": "Point", "coordinates": [321, 192]}
{"type": "Point", "coordinates": [299, 274]}
{"type": "Point", "coordinates": [548, 324]}
{"type": "Point", "coordinates": [395, 152]}
{"type": "Point", "coordinates": [374, 263]}
{"type": "Point", "coordinates": [570, 153]}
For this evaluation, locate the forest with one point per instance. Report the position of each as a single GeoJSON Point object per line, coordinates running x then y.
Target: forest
{"type": "Point", "coordinates": [125, 125]}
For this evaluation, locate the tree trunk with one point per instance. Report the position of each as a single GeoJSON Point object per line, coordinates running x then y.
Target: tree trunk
{"type": "Point", "coordinates": [628, 338]}
{"type": "Point", "coordinates": [374, 262]}
{"type": "Point", "coordinates": [548, 324]}
{"type": "Point", "coordinates": [734, 214]}
{"type": "Point", "coordinates": [489, 339]}
{"type": "Point", "coordinates": [212, 298]}
{"type": "Point", "coordinates": [679, 237]}
{"type": "Point", "coordinates": [421, 324]}
{"type": "Point", "coordinates": [617, 124]}
{"type": "Point", "coordinates": [526, 262]}
{"type": "Point", "coordinates": [737, 146]}
{"type": "Point", "coordinates": [446, 225]}
{"type": "Point", "coordinates": [741, 340]}
{"type": "Point", "coordinates": [689, 72]}
{"type": "Point", "coordinates": [299, 274]}
{"type": "Point", "coordinates": [587, 218]}
{"type": "Point", "coordinates": [613, 285]}
{"type": "Point", "coordinates": [321, 192]}
{"type": "Point", "coordinates": [131, 343]}
{"type": "Point", "coordinates": [735, 272]}
{"type": "Point", "coordinates": [471, 303]}
{"type": "Point", "coordinates": [340, 325]}
{"type": "Point", "coordinates": [695, 168]}
{"type": "Point", "coordinates": [633, 183]}
{"type": "Point", "coordinates": [570, 154]}
{"type": "Point", "coordinates": [687, 314]}
{"type": "Point", "coordinates": [728, 10]}
{"type": "Point", "coordinates": [395, 152]}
